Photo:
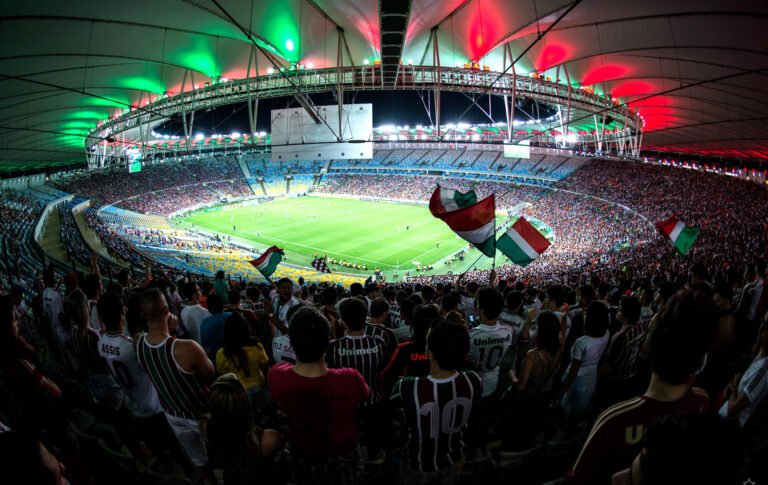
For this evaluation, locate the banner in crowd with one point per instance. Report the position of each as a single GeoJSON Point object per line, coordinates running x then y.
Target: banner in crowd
{"type": "Point", "coordinates": [473, 222]}
{"type": "Point", "coordinates": [320, 265]}
{"type": "Point", "coordinates": [681, 235]}
{"type": "Point", "coordinates": [522, 243]}
{"type": "Point", "coordinates": [267, 262]}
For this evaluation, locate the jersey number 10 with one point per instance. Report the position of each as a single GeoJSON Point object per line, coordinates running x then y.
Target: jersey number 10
{"type": "Point", "coordinates": [450, 420]}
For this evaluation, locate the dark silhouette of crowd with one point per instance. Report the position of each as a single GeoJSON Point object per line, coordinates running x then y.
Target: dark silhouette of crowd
{"type": "Point", "coordinates": [611, 359]}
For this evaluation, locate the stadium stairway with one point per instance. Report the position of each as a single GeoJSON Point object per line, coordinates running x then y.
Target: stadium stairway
{"type": "Point", "coordinates": [50, 239]}
{"type": "Point", "coordinates": [92, 239]}
{"type": "Point", "coordinates": [246, 172]}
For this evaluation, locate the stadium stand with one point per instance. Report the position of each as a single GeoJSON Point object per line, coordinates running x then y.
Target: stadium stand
{"type": "Point", "coordinates": [606, 251]}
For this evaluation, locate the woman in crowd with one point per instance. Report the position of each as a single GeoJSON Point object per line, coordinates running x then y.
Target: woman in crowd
{"type": "Point", "coordinates": [244, 357]}
{"type": "Point", "coordinates": [580, 379]}
{"type": "Point", "coordinates": [525, 402]}
{"type": "Point", "coordinates": [245, 451]}
{"type": "Point", "coordinates": [85, 340]}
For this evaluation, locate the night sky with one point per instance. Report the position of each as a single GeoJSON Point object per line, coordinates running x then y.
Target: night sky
{"type": "Point", "coordinates": [389, 108]}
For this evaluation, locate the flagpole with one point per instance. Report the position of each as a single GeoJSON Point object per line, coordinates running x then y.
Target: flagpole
{"type": "Point", "coordinates": [470, 267]}
{"type": "Point", "coordinates": [493, 268]}
{"type": "Point", "coordinates": [495, 230]}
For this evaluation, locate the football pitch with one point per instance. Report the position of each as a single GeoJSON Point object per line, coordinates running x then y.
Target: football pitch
{"type": "Point", "coordinates": [378, 234]}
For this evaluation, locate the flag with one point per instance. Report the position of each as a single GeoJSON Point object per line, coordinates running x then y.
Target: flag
{"type": "Point", "coordinates": [474, 223]}
{"type": "Point", "coordinates": [267, 262]}
{"type": "Point", "coordinates": [522, 243]}
{"type": "Point", "coordinates": [682, 236]}
{"type": "Point", "coordinates": [319, 264]}
{"type": "Point", "coordinates": [447, 200]}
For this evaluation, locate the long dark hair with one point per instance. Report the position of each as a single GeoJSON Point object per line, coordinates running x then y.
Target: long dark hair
{"type": "Point", "coordinates": [237, 334]}
{"type": "Point", "coordinates": [548, 336]}
{"type": "Point", "coordinates": [230, 426]}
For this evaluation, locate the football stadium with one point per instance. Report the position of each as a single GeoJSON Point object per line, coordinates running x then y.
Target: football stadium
{"type": "Point", "coordinates": [395, 241]}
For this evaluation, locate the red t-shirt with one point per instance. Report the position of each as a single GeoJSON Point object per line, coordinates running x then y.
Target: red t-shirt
{"type": "Point", "coordinates": [321, 410]}
{"type": "Point", "coordinates": [617, 436]}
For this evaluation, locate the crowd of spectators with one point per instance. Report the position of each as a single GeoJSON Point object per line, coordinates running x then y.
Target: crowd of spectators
{"type": "Point", "coordinates": [580, 379]}
{"type": "Point", "coordinates": [116, 245]}
{"type": "Point", "coordinates": [70, 234]}
{"type": "Point", "coordinates": [601, 362]}
{"type": "Point", "coordinates": [168, 201]}
{"type": "Point", "coordinates": [19, 212]}
{"type": "Point", "coordinates": [110, 185]}
{"type": "Point", "coordinates": [419, 188]}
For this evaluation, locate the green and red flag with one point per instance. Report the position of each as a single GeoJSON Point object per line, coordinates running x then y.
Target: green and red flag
{"type": "Point", "coordinates": [267, 262]}
{"type": "Point", "coordinates": [681, 235]}
{"type": "Point", "coordinates": [448, 200]}
{"type": "Point", "coordinates": [472, 221]}
{"type": "Point", "coordinates": [522, 243]}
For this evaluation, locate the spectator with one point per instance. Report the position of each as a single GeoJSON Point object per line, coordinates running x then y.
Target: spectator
{"type": "Point", "coordinates": [245, 451]}
{"type": "Point", "coordinates": [404, 331]}
{"type": "Point", "coordinates": [410, 357]}
{"type": "Point", "coordinates": [22, 374]}
{"type": "Point", "coordinates": [699, 448]}
{"type": "Point", "coordinates": [323, 438]}
{"type": "Point", "coordinates": [280, 306]}
{"type": "Point", "coordinates": [489, 341]}
{"type": "Point", "coordinates": [619, 367]}
{"type": "Point", "coordinates": [328, 300]}
{"type": "Point", "coordinates": [379, 311]}
{"type": "Point", "coordinates": [93, 289]}
{"type": "Point", "coordinates": [524, 406]}
{"type": "Point", "coordinates": [575, 393]}
{"type": "Point", "coordinates": [53, 309]}
{"type": "Point", "coordinates": [179, 370]}
{"type": "Point", "coordinates": [212, 328]}
{"type": "Point", "coordinates": [511, 315]}
{"type": "Point", "coordinates": [256, 328]}
{"type": "Point", "coordinates": [244, 357]}
{"type": "Point", "coordinates": [221, 287]}
{"type": "Point", "coordinates": [746, 392]}
{"type": "Point", "coordinates": [193, 313]}
{"type": "Point", "coordinates": [677, 347]}
{"type": "Point", "coordinates": [85, 340]}
{"type": "Point", "coordinates": [435, 453]}
{"type": "Point", "coordinates": [366, 354]}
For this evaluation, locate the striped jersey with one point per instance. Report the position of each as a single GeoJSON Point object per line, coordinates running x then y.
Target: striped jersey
{"type": "Point", "coordinates": [436, 413]}
{"type": "Point", "coordinates": [180, 393]}
{"type": "Point", "coordinates": [617, 435]}
{"type": "Point", "coordinates": [384, 333]}
{"type": "Point", "coordinates": [120, 354]}
{"type": "Point", "coordinates": [487, 345]}
{"type": "Point", "coordinates": [623, 350]}
{"type": "Point", "coordinates": [394, 315]}
{"type": "Point", "coordinates": [364, 353]}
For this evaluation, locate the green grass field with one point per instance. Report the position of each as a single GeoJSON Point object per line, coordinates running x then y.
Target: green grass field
{"type": "Point", "coordinates": [363, 232]}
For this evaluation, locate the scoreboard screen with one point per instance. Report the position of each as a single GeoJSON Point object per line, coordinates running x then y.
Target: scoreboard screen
{"type": "Point", "coordinates": [520, 150]}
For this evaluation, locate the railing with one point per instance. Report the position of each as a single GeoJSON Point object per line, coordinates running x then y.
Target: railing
{"type": "Point", "coordinates": [362, 78]}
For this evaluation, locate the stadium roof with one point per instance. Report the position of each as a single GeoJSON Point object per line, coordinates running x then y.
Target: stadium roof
{"type": "Point", "coordinates": [696, 70]}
